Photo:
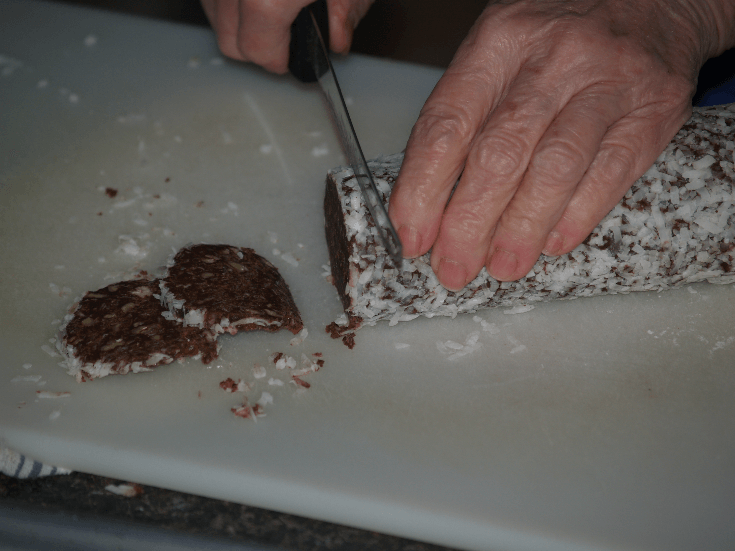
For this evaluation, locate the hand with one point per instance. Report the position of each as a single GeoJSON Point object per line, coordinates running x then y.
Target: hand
{"type": "Point", "coordinates": [548, 113]}
{"type": "Point", "coordinates": [259, 30]}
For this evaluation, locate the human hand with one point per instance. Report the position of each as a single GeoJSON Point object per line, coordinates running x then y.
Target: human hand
{"type": "Point", "coordinates": [548, 113]}
{"type": "Point", "coordinates": [259, 30]}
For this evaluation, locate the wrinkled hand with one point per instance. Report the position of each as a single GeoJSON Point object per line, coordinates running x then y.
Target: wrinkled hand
{"type": "Point", "coordinates": [259, 30]}
{"type": "Point", "coordinates": [548, 113]}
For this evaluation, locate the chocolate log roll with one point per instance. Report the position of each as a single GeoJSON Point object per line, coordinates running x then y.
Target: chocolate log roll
{"type": "Point", "coordinates": [674, 226]}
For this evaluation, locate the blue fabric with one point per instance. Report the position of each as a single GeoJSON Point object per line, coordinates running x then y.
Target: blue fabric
{"type": "Point", "coordinates": [724, 93]}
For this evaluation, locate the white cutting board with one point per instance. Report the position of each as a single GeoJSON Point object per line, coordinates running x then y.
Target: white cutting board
{"type": "Point", "coordinates": [601, 423]}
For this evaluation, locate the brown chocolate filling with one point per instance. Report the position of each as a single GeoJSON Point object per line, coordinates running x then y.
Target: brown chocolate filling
{"type": "Point", "coordinates": [234, 283]}
{"type": "Point", "coordinates": [339, 249]}
{"type": "Point", "coordinates": [122, 323]}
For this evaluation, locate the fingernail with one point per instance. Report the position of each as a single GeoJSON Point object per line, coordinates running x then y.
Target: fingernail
{"type": "Point", "coordinates": [410, 240]}
{"type": "Point", "coordinates": [554, 244]}
{"type": "Point", "coordinates": [503, 265]}
{"type": "Point", "coordinates": [452, 275]}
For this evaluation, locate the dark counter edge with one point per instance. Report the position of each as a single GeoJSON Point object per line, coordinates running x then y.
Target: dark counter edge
{"type": "Point", "coordinates": [76, 512]}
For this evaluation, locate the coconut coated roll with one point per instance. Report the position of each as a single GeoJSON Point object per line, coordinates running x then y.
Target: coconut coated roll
{"type": "Point", "coordinates": [674, 227]}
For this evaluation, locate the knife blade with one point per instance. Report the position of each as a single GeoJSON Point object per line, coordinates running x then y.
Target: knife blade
{"type": "Point", "coordinates": [309, 62]}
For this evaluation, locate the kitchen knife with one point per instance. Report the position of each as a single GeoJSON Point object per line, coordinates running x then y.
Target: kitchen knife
{"type": "Point", "coordinates": [309, 62]}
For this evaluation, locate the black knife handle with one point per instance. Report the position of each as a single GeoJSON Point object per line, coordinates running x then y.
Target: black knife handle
{"type": "Point", "coordinates": [304, 41]}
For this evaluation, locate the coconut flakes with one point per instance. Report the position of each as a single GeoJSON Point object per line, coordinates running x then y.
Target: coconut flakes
{"type": "Point", "coordinates": [259, 371]}
{"type": "Point", "coordinates": [299, 338]}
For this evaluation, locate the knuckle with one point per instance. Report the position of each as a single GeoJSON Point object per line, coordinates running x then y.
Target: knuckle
{"type": "Point", "coordinates": [620, 161]}
{"type": "Point", "coordinates": [468, 225]}
{"type": "Point", "coordinates": [442, 128]}
{"type": "Point", "coordinates": [559, 161]}
{"type": "Point", "coordinates": [501, 156]}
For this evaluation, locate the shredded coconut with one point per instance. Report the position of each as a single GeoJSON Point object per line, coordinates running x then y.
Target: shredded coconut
{"type": "Point", "coordinates": [299, 338]}
{"type": "Point", "coordinates": [265, 399]}
{"type": "Point", "coordinates": [259, 371]}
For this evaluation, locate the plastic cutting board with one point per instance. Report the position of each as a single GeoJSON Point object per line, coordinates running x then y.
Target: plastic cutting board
{"type": "Point", "coordinates": [602, 423]}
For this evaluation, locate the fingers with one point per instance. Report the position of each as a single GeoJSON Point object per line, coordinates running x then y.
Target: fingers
{"type": "Point", "coordinates": [438, 146]}
{"type": "Point", "coordinates": [264, 32]}
{"type": "Point", "coordinates": [522, 172]}
{"type": "Point", "coordinates": [628, 150]}
{"type": "Point", "coordinates": [496, 164]}
{"type": "Point", "coordinates": [559, 162]}
{"type": "Point", "coordinates": [434, 159]}
{"type": "Point", "coordinates": [521, 163]}
{"type": "Point", "coordinates": [224, 16]}
{"type": "Point", "coordinates": [259, 31]}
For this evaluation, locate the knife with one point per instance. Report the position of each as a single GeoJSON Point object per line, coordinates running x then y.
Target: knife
{"type": "Point", "coordinates": [309, 62]}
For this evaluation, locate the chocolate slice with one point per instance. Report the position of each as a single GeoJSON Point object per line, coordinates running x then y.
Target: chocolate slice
{"type": "Point", "coordinates": [221, 288]}
{"type": "Point", "coordinates": [120, 328]}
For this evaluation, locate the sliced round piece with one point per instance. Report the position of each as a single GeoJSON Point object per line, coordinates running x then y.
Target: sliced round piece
{"type": "Point", "coordinates": [121, 328]}
{"type": "Point", "coordinates": [221, 288]}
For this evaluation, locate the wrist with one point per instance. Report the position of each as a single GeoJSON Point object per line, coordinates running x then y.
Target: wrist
{"type": "Point", "coordinates": [715, 24]}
